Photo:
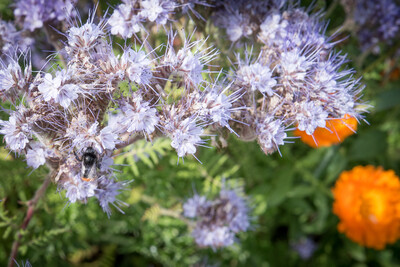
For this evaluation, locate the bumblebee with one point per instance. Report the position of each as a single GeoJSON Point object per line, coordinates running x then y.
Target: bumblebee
{"type": "Point", "coordinates": [89, 164]}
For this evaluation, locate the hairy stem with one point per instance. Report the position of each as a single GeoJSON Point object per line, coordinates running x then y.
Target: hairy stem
{"type": "Point", "coordinates": [128, 140]}
{"type": "Point", "coordinates": [29, 213]}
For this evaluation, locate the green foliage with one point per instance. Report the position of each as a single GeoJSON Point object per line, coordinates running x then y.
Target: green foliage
{"type": "Point", "coordinates": [144, 151]}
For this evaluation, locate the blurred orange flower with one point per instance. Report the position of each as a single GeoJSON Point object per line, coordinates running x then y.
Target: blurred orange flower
{"type": "Point", "coordinates": [337, 130]}
{"type": "Point", "coordinates": [367, 201]}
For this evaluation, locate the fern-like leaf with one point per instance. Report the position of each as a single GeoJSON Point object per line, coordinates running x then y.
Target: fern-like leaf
{"type": "Point", "coordinates": [147, 152]}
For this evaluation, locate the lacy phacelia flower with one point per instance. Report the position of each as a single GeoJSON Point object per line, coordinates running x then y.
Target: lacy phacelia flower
{"type": "Point", "coordinates": [32, 14]}
{"type": "Point", "coordinates": [156, 10]}
{"type": "Point", "coordinates": [257, 77]}
{"type": "Point", "coordinates": [367, 202]}
{"type": "Point", "coordinates": [128, 17]}
{"type": "Point", "coordinates": [242, 19]}
{"type": "Point", "coordinates": [109, 95]}
{"type": "Point", "coordinates": [12, 40]}
{"type": "Point", "coordinates": [13, 79]}
{"type": "Point", "coordinates": [310, 117]}
{"type": "Point", "coordinates": [305, 247]}
{"type": "Point", "coordinates": [296, 79]}
{"type": "Point", "coordinates": [106, 193]}
{"type": "Point", "coordinates": [189, 61]}
{"type": "Point", "coordinates": [137, 66]}
{"type": "Point", "coordinates": [76, 189]}
{"type": "Point", "coordinates": [59, 89]}
{"type": "Point", "coordinates": [335, 131]}
{"type": "Point", "coordinates": [17, 130]}
{"type": "Point", "coordinates": [106, 97]}
{"type": "Point", "coordinates": [139, 116]}
{"type": "Point", "coordinates": [375, 21]}
{"type": "Point", "coordinates": [271, 134]}
{"type": "Point", "coordinates": [219, 220]}
{"type": "Point", "coordinates": [212, 105]}
{"type": "Point", "coordinates": [186, 137]}
{"type": "Point", "coordinates": [37, 154]}
{"type": "Point", "coordinates": [123, 22]}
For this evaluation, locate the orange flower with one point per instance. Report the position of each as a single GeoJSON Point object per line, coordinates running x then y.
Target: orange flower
{"type": "Point", "coordinates": [339, 129]}
{"type": "Point", "coordinates": [367, 201]}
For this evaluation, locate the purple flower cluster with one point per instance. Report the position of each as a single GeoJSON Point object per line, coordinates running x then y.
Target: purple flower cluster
{"type": "Point", "coordinates": [11, 39]}
{"type": "Point", "coordinates": [66, 111]}
{"type": "Point", "coordinates": [376, 21]}
{"type": "Point", "coordinates": [108, 95]}
{"type": "Point", "coordinates": [242, 19]}
{"type": "Point", "coordinates": [128, 18]}
{"type": "Point", "coordinates": [217, 221]}
{"type": "Point", "coordinates": [297, 80]}
{"type": "Point", "coordinates": [305, 247]}
{"type": "Point", "coordinates": [32, 14]}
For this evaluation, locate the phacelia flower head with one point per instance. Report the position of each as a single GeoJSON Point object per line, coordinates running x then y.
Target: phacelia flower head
{"type": "Point", "coordinates": [258, 77]}
{"type": "Point", "coordinates": [76, 189]}
{"type": "Point", "coordinates": [375, 21]}
{"type": "Point", "coordinates": [138, 116]}
{"type": "Point", "coordinates": [212, 105]}
{"type": "Point", "coordinates": [271, 134]}
{"type": "Point", "coordinates": [310, 116]}
{"type": "Point", "coordinates": [37, 155]}
{"type": "Point", "coordinates": [189, 61]}
{"type": "Point", "coordinates": [13, 79]}
{"type": "Point", "coordinates": [157, 10]}
{"type": "Point", "coordinates": [12, 40]}
{"type": "Point", "coordinates": [17, 130]}
{"type": "Point", "coordinates": [128, 18]}
{"type": "Point", "coordinates": [32, 14]}
{"type": "Point", "coordinates": [138, 68]}
{"type": "Point", "coordinates": [217, 221]}
{"type": "Point", "coordinates": [59, 89]}
{"type": "Point", "coordinates": [305, 247]}
{"type": "Point", "coordinates": [367, 202]}
{"type": "Point", "coordinates": [298, 79]}
{"type": "Point", "coordinates": [186, 136]}
{"type": "Point", "coordinates": [106, 193]}
{"type": "Point", "coordinates": [242, 19]}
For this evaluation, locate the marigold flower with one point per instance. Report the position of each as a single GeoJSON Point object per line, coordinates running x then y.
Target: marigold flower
{"type": "Point", "coordinates": [335, 132]}
{"type": "Point", "coordinates": [367, 201]}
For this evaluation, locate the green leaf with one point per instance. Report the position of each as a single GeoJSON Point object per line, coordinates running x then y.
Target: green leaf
{"type": "Point", "coordinates": [7, 232]}
{"type": "Point", "coordinates": [301, 191]}
{"type": "Point", "coordinates": [355, 251]}
{"type": "Point", "coordinates": [369, 145]}
{"type": "Point", "coordinates": [280, 187]}
{"type": "Point", "coordinates": [388, 99]}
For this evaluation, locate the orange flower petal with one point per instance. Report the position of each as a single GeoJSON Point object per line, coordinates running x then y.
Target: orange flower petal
{"type": "Point", "coordinates": [337, 130]}
{"type": "Point", "coordinates": [367, 201]}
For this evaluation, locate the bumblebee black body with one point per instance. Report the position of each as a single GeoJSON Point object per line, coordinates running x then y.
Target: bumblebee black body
{"type": "Point", "coordinates": [89, 164]}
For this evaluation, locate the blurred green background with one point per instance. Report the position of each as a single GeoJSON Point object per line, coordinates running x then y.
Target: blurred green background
{"type": "Point", "coordinates": [290, 195]}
